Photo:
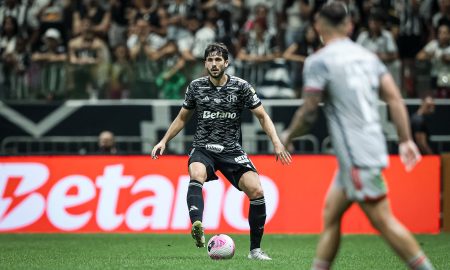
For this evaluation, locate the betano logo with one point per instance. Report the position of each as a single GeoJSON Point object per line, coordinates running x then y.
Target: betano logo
{"type": "Point", "coordinates": [218, 115]}
{"type": "Point", "coordinates": [112, 201]}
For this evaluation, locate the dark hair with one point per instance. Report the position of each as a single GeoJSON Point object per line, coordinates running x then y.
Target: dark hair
{"type": "Point", "coordinates": [14, 23]}
{"type": "Point", "coordinates": [334, 12]}
{"type": "Point", "coordinates": [377, 15]}
{"type": "Point", "coordinates": [220, 48]}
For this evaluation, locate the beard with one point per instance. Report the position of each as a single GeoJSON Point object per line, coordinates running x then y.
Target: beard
{"type": "Point", "coordinates": [218, 76]}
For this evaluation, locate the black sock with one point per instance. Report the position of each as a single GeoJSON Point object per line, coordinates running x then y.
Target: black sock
{"type": "Point", "coordinates": [195, 200]}
{"type": "Point", "coordinates": [256, 219]}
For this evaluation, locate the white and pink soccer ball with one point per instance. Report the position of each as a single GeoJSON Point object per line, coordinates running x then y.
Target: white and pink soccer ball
{"type": "Point", "coordinates": [221, 247]}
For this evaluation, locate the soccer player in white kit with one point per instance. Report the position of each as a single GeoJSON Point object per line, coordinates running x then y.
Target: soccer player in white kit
{"type": "Point", "coordinates": [348, 79]}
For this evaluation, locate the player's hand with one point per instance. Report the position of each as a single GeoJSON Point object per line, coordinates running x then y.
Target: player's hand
{"type": "Point", "coordinates": [409, 154]}
{"type": "Point", "coordinates": [282, 154]}
{"type": "Point", "coordinates": [161, 147]}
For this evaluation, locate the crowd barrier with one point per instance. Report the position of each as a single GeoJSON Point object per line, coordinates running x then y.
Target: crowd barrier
{"type": "Point", "coordinates": [72, 127]}
{"type": "Point", "coordinates": [55, 194]}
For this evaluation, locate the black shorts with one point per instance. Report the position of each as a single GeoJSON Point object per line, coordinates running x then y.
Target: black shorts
{"type": "Point", "coordinates": [231, 164]}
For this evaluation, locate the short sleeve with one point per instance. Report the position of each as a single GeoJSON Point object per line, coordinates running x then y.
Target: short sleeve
{"type": "Point", "coordinates": [251, 99]}
{"type": "Point", "coordinates": [189, 100]}
{"type": "Point", "coordinates": [315, 75]}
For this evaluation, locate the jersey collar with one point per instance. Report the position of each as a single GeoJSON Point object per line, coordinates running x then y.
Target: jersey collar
{"type": "Point", "coordinates": [221, 87]}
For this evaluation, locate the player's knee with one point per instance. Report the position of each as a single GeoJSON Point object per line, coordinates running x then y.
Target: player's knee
{"type": "Point", "coordinates": [329, 216]}
{"type": "Point", "coordinates": [198, 175]}
{"type": "Point", "coordinates": [255, 193]}
{"type": "Point", "coordinates": [380, 222]}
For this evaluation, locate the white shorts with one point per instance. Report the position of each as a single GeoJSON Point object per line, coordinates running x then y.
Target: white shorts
{"type": "Point", "coordinates": [361, 184]}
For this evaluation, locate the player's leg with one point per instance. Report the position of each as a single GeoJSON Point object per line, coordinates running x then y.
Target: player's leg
{"type": "Point", "coordinates": [336, 203]}
{"type": "Point", "coordinates": [397, 235]}
{"type": "Point", "coordinates": [195, 202]}
{"type": "Point", "coordinates": [201, 169]}
{"type": "Point", "coordinates": [250, 184]}
{"type": "Point", "coordinates": [198, 175]}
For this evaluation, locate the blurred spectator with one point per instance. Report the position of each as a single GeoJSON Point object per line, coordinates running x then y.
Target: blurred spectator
{"type": "Point", "coordinates": [304, 46]}
{"type": "Point", "coordinates": [144, 47]}
{"type": "Point", "coordinates": [232, 7]}
{"type": "Point", "coordinates": [57, 15]}
{"type": "Point", "coordinates": [419, 125]}
{"type": "Point", "coordinates": [171, 81]}
{"type": "Point", "coordinates": [438, 52]}
{"type": "Point", "coordinates": [157, 64]}
{"type": "Point", "coordinates": [87, 55]}
{"type": "Point", "coordinates": [99, 17]}
{"type": "Point", "coordinates": [15, 9]}
{"type": "Point", "coordinates": [443, 16]}
{"type": "Point", "coordinates": [30, 30]}
{"type": "Point", "coordinates": [9, 33]}
{"type": "Point", "coordinates": [267, 9]}
{"type": "Point", "coordinates": [297, 14]}
{"type": "Point", "coordinates": [258, 51]}
{"type": "Point", "coordinates": [413, 35]}
{"type": "Point", "coordinates": [380, 41]}
{"type": "Point", "coordinates": [178, 11]}
{"type": "Point", "coordinates": [117, 33]}
{"type": "Point", "coordinates": [192, 47]}
{"type": "Point", "coordinates": [120, 74]}
{"type": "Point", "coordinates": [19, 61]}
{"type": "Point", "coordinates": [106, 143]}
{"type": "Point", "coordinates": [175, 34]}
{"type": "Point", "coordinates": [153, 12]}
{"type": "Point", "coordinates": [52, 58]}
{"type": "Point", "coordinates": [226, 29]}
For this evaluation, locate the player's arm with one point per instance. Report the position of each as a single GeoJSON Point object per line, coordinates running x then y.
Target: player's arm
{"type": "Point", "coordinates": [409, 153]}
{"type": "Point", "coordinates": [304, 117]}
{"type": "Point", "coordinates": [177, 125]}
{"type": "Point", "coordinates": [268, 127]}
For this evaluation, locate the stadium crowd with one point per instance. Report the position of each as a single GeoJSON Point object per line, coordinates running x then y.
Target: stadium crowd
{"type": "Point", "coordinates": [116, 49]}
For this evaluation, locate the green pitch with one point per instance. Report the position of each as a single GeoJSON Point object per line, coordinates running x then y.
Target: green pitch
{"type": "Point", "coordinates": [151, 251]}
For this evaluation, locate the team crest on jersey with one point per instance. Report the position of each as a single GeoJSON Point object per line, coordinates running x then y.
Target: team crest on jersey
{"type": "Point", "coordinates": [231, 98]}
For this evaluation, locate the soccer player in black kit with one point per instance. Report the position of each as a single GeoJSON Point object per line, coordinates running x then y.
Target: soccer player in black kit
{"type": "Point", "coordinates": [219, 100]}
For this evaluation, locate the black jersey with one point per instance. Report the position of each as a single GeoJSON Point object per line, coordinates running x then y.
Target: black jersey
{"type": "Point", "coordinates": [219, 111]}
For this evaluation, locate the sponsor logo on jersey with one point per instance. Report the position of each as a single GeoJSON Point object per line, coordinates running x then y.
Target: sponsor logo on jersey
{"type": "Point", "coordinates": [218, 115]}
{"type": "Point", "coordinates": [205, 99]}
{"type": "Point", "coordinates": [231, 98]}
{"type": "Point", "coordinates": [242, 159]}
{"type": "Point", "coordinates": [255, 98]}
{"type": "Point", "coordinates": [216, 148]}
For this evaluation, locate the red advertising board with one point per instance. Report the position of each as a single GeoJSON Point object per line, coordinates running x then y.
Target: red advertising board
{"type": "Point", "coordinates": [138, 194]}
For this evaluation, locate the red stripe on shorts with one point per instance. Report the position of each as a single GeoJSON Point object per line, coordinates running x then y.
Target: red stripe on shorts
{"type": "Point", "coordinates": [356, 178]}
{"type": "Point", "coordinates": [312, 89]}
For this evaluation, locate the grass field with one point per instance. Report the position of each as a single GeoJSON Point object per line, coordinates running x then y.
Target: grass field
{"type": "Point", "coordinates": [151, 251]}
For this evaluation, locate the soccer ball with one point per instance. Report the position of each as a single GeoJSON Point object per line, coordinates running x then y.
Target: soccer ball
{"type": "Point", "coordinates": [220, 247]}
